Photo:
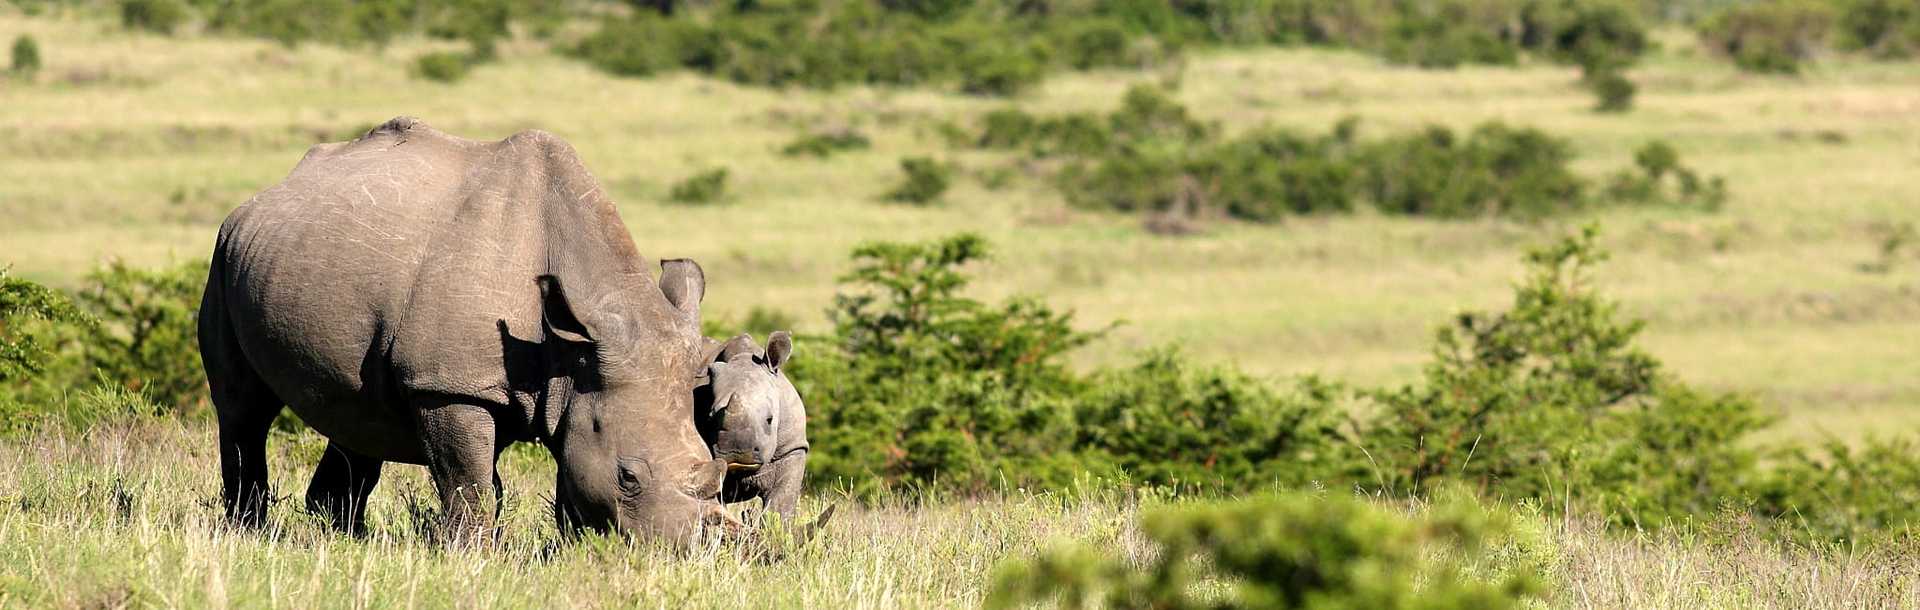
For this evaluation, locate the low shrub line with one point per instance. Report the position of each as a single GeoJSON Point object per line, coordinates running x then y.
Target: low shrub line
{"type": "Point", "coordinates": [1152, 155]}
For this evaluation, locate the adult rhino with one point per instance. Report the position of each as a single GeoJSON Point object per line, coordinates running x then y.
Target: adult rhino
{"type": "Point", "coordinates": [422, 298]}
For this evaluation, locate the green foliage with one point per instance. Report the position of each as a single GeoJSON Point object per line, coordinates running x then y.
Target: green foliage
{"type": "Point", "coordinates": [1284, 551]}
{"type": "Point", "coordinates": [1550, 399]}
{"type": "Point", "coordinates": [25, 56]}
{"type": "Point", "coordinates": [924, 180]}
{"type": "Point", "coordinates": [1151, 155]}
{"type": "Point", "coordinates": [1000, 71]}
{"type": "Point", "coordinates": [826, 143]}
{"type": "Point", "coordinates": [157, 16]}
{"type": "Point", "coordinates": [922, 388]}
{"type": "Point", "coordinates": [1003, 47]}
{"type": "Point", "coordinates": [149, 337]}
{"type": "Point", "coordinates": [442, 66]}
{"type": "Point", "coordinates": [1600, 37]}
{"type": "Point", "coordinates": [1612, 89]}
{"type": "Point", "coordinates": [1770, 36]}
{"type": "Point", "coordinates": [480, 23]}
{"type": "Point", "coordinates": [1165, 421]}
{"type": "Point", "coordinates": [709, 186]}
{"type": "Point", "coordinates": [1662, 180]}
{"type": "Point", "coordinates": [1507, 395]}
{"type": "Point", "coordinates": [22, 303]}
{"type": "Point", "coordinates": [644, 46]}
{"type": "Point", "coordinates": [132, 336]}
{"type": "Point", "coordinates": [1495, 171]}
{"type": "Point", "coordinates": [1846, 494]}
{"type": "Point", "coordinates": [1884, 28]}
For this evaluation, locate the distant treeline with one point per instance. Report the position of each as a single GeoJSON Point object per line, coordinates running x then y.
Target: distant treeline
{"type": "Point", "coordinates": [1004, 46]}
{"type": "Point", "coordinates": [1001, 47]}
{"type": "Point", "coordinates": [1780, 35]}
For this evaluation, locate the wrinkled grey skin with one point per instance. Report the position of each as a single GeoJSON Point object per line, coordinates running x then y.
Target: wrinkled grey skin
{"type": "Point", "coordinates": [751, 415]}
{"type": "Point", "coordinates": [427, 299]}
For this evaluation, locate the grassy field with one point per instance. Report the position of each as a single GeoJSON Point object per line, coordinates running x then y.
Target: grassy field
{"type": "Point", "coordinates": [132, 145]}
{"type": "Point", "coordinates": [128, 517]}
{"type": "Point", "coordinates": [135, 146]}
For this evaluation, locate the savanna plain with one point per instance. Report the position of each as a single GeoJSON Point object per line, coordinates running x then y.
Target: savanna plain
{"type": "Point", "coordinates": [133, 146]}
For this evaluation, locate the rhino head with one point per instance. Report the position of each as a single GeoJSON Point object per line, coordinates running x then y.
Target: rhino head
{"type": "Point", "coordinates": [747, 406]}
{"type": "Point", "coordinates": [616, 410]}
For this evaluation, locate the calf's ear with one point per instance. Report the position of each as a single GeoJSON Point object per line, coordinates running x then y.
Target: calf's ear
{"type": "Point", "coordinates": [684, 284]}
{"type": "Point", "coordinates": [779, 349]}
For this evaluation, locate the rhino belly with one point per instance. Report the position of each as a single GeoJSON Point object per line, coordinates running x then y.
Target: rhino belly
{"type": "Point", "coordinates": [314, 328]}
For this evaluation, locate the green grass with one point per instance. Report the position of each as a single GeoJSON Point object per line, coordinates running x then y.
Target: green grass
{"type": "Point", "coordinates": [1764, 297]}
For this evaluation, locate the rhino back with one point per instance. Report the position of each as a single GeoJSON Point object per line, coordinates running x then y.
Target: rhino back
{"type": "Point", "coordinates": [400, 263]}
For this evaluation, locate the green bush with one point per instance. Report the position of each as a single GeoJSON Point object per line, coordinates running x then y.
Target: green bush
{"type": "Point", "coordinates": [23, 352]}
{"type": "Point", "coordinates": [824, 144]}
{"type": "Point", "coordinates": [1445, 35]}
{"type": "Point", "coordinates": [643, 46]}
{"type": "Point", "coordinates": [1661, 180]}
{"type": "Point", "coordinates": [1551, 398]}
{"type": "Point", "coordinates": [924, 180]}
{"type": "Point", "coordinates": [999, 72]}
{"type": "Point", "coordinates": [1884, 28]}
{"type": "Point", "coordinates": [442, 66]}
{"type": "Point", "coordinates": [709, 186]}
{"type": "Point", "coordinates": [1494, 171]}
{"type": "Point", "coordinates": [1285, 551]}
{"type": "Point", "coordinates": [157, 16]}
{"type": "Point", "coordinates": [920, 388]}
{"type": "Point", "coordinates": [1600, 37]}
{"type": "Point", "coordinates": [1165, 421]}
{"type": "Point", "coordinates": [26, 56]}
{"type": "Point", "coordinates": [127, 345]}
{"type": "Point", "coordinates": [1845, 494]}
{"type": "Point", "coordinates": [1770, 36]}
{"type": "Point", "coordinates": [148, 339]}
{"type": "Point", "coordinates": [1612, 89]}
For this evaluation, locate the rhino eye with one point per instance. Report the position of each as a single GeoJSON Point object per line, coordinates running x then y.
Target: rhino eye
{"type": "Point", "coordinates": [630, 474]}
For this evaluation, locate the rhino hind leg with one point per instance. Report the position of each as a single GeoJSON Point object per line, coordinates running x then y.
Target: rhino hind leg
{"type": "Point", "coordinates": [341, 484]}
{"type": "Point", "coordinates": [245, 407]}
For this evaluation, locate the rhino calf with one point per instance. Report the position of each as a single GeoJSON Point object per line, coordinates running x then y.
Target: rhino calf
{"type": "Point", "coordinates": [752, 417]}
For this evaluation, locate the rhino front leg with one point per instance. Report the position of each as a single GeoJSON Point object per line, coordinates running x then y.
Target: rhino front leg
{"type": "Point", "coordinates": [460, 447]}
{"type": "Point", "coordinates": [780, 484]}
{"type": "Point", "coordinates": [341, 485]}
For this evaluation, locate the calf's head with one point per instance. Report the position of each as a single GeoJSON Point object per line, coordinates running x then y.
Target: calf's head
{"type": "Point", "coordinates": [741, 408]}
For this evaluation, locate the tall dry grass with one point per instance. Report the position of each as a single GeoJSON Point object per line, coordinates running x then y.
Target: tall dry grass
{"type": "Point", "coordinates": [128, 517]}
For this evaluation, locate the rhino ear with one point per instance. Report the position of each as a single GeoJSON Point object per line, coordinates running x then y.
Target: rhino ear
{"type": "Point", "coordinates": [684, 284]}
{"type": "Point", "coordinates": [556, 314]}
{"type": "Point", "coordinates": [779, 349]}
{"type": "Point", "coordinates": [722, 382]}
